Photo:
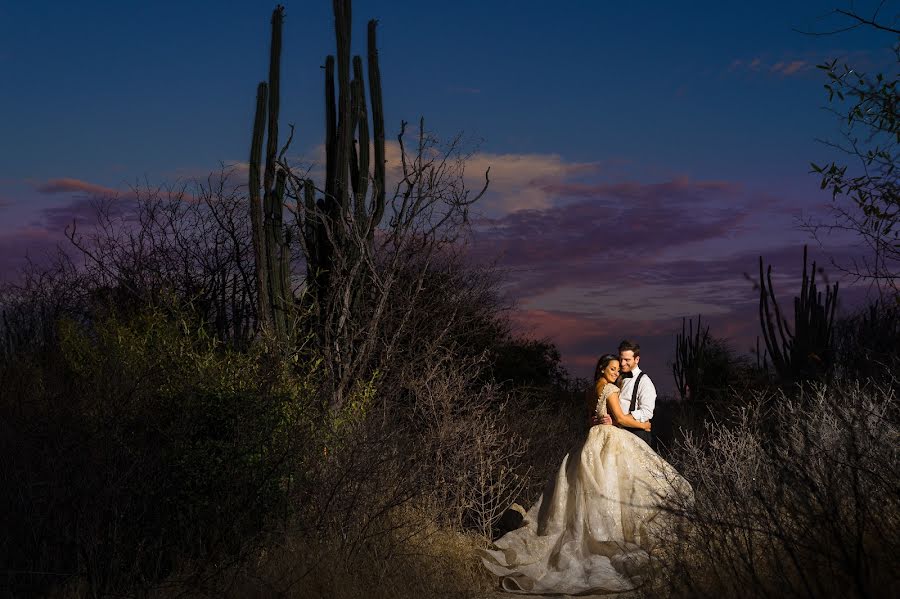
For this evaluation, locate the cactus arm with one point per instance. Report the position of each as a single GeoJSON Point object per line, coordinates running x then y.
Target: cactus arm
{"type": "Point", "coordinates": [256, 211]}
{"type": "Point", "coordinates": [765, 318]}
{"type": "Point", "coordinates": [378, 179]}
{"type": "Point", "coordinates": [362, 118]}
{"type": "Point", "coordinates": [330, 130]}
{"type": "Point", "coordinates": [274, 97]}
{"type": "Point", "coordinates": [809, 348]}
{"type": "Point", "coordinates": [353, 160]}
{"type": "Point", "coordinates": [344, 132]}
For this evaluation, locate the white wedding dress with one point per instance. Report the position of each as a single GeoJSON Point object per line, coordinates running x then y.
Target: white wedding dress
{"type": "Point", "coordinates": [593, 529]}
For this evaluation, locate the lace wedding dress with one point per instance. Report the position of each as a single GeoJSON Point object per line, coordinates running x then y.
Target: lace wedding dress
{"type": "Point", "coordinates": [592, 530]}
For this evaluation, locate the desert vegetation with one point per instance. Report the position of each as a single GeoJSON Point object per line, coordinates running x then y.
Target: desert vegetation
{"type": "Point", "coordinates": [202, 396]}
{"type": "Point", "coordinates": [284, 387]}
{"type": "Point", "coordinates": [793, 463]}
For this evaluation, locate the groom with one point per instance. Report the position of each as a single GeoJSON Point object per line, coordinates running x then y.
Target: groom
{"type": "Point", "coordinates": [638, 395]}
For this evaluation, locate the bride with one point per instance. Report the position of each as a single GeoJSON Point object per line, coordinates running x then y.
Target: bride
{"type": "Point", "coordinates": [592, 530]}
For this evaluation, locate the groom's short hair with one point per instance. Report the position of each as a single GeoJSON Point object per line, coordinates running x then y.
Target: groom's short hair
{"type": "Point", "coordinates": [628, 345]}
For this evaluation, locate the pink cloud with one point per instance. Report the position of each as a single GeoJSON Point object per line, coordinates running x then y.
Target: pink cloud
{"type": "Point", "coordinates": [804, 63]}
{"type": "Point", "coordinates": [69, 185]}
{"type": "Point", "coordinates": [235, 176]}
{"type": "Point", "coordinates": [788, 68]}
{"type": "Point", "coordinates": [783, 67]}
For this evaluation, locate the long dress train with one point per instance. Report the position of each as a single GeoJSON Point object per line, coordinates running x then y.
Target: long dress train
{"type": "Point", "coordinates": [593, 528]}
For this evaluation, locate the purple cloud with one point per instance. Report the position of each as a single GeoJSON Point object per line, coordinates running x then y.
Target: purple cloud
{"type": "Point", "coordinates": [679, 188]}
{"type": "Point", "coordinates": [624, 228]}
{"type": "Point", "coordinates": [45, 235]}
{"type": "Point", "coordinates": [631, 259]}
{"type": "Point", "coordinates": [81, 212]}
{"type": "Point", "coordinates": [36, 244]}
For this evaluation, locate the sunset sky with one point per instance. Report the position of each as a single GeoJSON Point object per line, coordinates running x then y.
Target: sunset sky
{"type": "Point", "coordinates": [643, 154]}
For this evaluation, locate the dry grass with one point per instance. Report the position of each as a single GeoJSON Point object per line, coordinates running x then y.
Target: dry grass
{"type": "Point", "coordinates": [417, 559]}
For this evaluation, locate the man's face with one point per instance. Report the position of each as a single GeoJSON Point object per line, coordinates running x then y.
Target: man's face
{"type": "Point", "coordinates": [628, 361]}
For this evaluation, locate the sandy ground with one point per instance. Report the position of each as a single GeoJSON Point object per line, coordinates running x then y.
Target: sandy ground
{"type": "Point", "coordinates": [627, 595]}
{"type": "Point", "coordinates": [502, 595]}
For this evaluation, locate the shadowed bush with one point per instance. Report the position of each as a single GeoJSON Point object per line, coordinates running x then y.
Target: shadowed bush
{"type": "Point", "coordinates": [137, 444]}
{"type": "Point", "coordinates": [143, 454]}
{"type": "Point", "coordinates": [868, 343]}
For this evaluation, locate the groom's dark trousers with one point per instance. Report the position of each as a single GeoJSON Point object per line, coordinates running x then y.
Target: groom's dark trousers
{"type": "Point", "coordinates": [645, 436]}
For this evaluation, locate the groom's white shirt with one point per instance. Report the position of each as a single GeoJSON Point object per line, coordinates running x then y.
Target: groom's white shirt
{"type": "Point", "coordinates": [646, 397]}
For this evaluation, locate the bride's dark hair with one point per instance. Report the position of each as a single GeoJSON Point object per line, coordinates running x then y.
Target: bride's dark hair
{"type": "Point", "coordinates": [602, 363]}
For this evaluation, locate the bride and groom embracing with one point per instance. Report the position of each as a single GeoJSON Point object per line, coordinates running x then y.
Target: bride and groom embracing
{"type": "Point", "coordinates": [598, 519]}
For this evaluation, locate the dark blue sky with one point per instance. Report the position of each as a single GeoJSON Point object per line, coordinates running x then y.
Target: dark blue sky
{"type": "Point", "coordinates": [669, 115]}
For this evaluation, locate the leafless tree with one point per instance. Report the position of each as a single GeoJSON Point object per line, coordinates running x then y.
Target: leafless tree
{"type": "Point", "coordinates": [865, 191]}
{"type": "Point", "coordinates": [188, 243]}
{"type": "Point", "coordinates": [373, 272]}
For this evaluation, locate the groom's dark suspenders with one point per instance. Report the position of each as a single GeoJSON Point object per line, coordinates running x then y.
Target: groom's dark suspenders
{"type": "Point", "coordinates": [634, 391]}
{"type": "Point", "coordinates": [646, 436]}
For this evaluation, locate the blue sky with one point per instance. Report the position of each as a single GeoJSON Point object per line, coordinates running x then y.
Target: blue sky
{"type": "Point", "coordinates": [706, 108]}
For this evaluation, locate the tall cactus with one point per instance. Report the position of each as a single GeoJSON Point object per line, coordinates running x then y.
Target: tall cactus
{"type": "Point", "coordinates": [341, 223]}
{"type": "Point", "coordinates": [806, 351]}
{"type": "Point", "coordinates": [378, 190]}
{"type": "Point", "coordinates": [690, 355]}
{"type": "Point", "coordinates": [349, 200]}
{"type": "Point", "coordinates": [266, 214]}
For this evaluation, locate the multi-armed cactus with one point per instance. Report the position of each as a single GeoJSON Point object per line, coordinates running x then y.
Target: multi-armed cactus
{"type": "Point", "coordinates": [806, 351]}
{"type": "Point", "coordinates": [345, 216]}
{"type": "Point", "coordinates": [690, 355]}
{"type": "Point", "coordinates": [348, 288]}
{"type": "Point", "coordinates": [342, 222]}
{"type": "Point", "coordinates": [271, 249]}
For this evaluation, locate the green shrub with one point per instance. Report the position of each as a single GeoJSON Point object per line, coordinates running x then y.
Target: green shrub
{"type": "Point", "coordinates": [140, 444]}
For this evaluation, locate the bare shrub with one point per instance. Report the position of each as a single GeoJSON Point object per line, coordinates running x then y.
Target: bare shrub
{"type": "Point", "coordinates": [400, 498]}
{"type": "Point", "coordinates": [188, 242]}
{"type": "Point", "coordinates": [797, 496]}
{"type": "Point", "coordinates": [472, 455]}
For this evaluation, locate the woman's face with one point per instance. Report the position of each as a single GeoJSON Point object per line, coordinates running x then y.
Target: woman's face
{"type": "Point", "coordinates": [611, 372]}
